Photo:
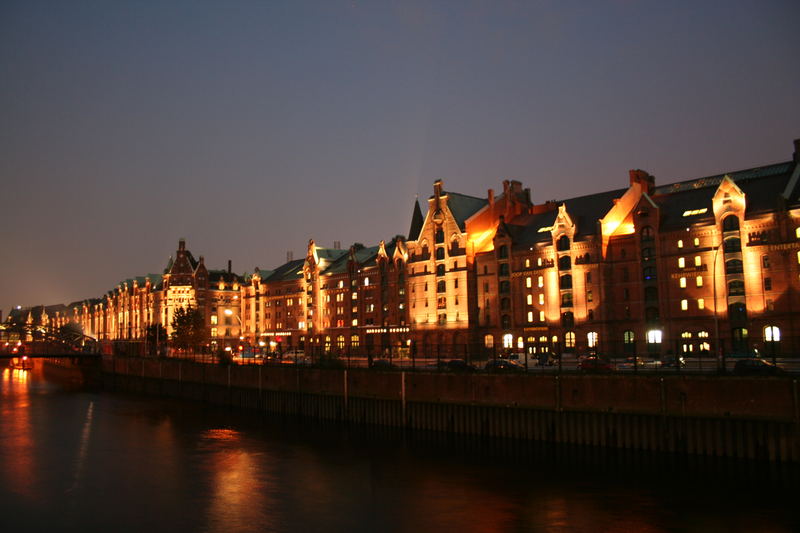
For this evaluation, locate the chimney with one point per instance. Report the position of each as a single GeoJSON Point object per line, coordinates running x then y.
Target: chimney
{"type": "Point", "coordinates": [641, 177]}
{"type": "Point", "coordinates": [490, 194]}
{"type": "Point", "coordinates": [181, 244]}
{"type": "Point", "coordinates": [229, 266]}
{"type": "Point", "coordinates": [437, 188]}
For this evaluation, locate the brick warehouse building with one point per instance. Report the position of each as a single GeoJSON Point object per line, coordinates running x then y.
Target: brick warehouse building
{"type": "Point", "coordinates": [689, 267]}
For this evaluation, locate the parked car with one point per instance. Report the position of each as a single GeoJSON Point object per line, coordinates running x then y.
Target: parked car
{"type": "Point", "coordinates": [632, 363]}
{"type": "Point", "coordinates": [504, 366]}
{"type": "Point", "coordinates": [594, 364]}
{"type": "Point", "coordinates": [755, 366]}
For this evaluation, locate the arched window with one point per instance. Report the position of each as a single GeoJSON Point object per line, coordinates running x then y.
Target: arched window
{"type": "Point", "coordinates": [564, 262]}
{"type": "Point", "coordinates": [566, 299]}
{"type": "Point", "coordinates": [651, 294]}
{"type": "Point", "coordinates": [440, 270]}
{"type": "Point", "coordinates": [730, 223]}
{"type": "Point", "coordinates": [628, 337]}
{"type": "Point", "coordinates": [649, 273]}
{"type": "Point", "coordinates": [591, 339]}
{"type": "Point", "coordinates": [647, 234]}
{"type": "Point", "coordinates": [736, 288]}
{"type": "Point", "coordinates": [441, 286]}
{"type": "Point", "coordinates": [562, 244]}
{"type": "Point", "coordinates": [502, 252]}
{"type": "Point", "coordinates": [354, 341]}
{"type": "Point", "coordinates": [569, 339]}
{"type": "Point", "coordinates": [772, 334]}
{"type": "Point", "coordinates": [439, 236]}
{"type": "Point", "coordinates": [504, 287]}
{"type": "Point", "coordinates": [439, 254]}
{"type": "Point", "coordinates": [565, 281]}
{"type": "Point", "coordinates": [504, 269]}
{"type": "Point", "coordinates": [733, 266]}
{"type": "Point", "coordinates": [654, 336]}
{"type": "Point", "coordinates": [732, 244]}
{"type": "Point", "coordinates": [488, 341]}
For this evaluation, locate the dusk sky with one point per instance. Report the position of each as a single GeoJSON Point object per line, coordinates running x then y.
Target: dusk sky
{"type": "Point", "coordinates": [250, 127]}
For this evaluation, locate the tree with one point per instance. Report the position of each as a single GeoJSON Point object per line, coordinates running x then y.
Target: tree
{"type": "Point", "coordinates": [155, 337]}
{"type": "Point", "coordinates": [188, 328]}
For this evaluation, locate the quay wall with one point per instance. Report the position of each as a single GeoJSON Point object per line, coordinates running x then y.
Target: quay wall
{"type": "Point", "coordinates": [753, 418]}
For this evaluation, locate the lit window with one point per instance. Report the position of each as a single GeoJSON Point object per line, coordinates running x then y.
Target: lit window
{"type": "Point", "coordinates": [591, 338]}
{"type": "Point", "coordinates": [214, 321]}
{"type": "Point", "coordinates": [520, 343]}
{"type": "Point", "coordinates": [488, 341]}
{"type": "Point", "coordinates": [569, 339]}
{"type": "Point", "coordinates": [797, 232]}
{"type": "Point", "coordinates": [772, 334]}
{"type": "Point", "coordinates": [696, 242]}
{"type": "Point", "coordinates": [541, 316]}
{"type": "Point", "coordinates": [699, 281]}
{"type": "Point", "coordinates": [530, 316]}
{"type": "Point", "coordinates": [366, 281]}
{"type": "Point", "coordinates": [701, 303]}
{"type": "Point", "coordinates": [539, 261]}
{"type": "Point", "coordinates": [654, 336]}
{"type": "Point", "coordinates": [684, 305]}
{"type": "Point", "coordinates": [541, 299]}
{"type": "Point", "coordinates": [686, 335]}
{"type": "Point", "coordinates": [508, 340]}
{"type": "Point", "coordinates": [528, 282]}
{"type": "Point", "coordinates": [540, 281]}
{"type": "Point", "coordinates": [681, 262]}
{"type": "Point", "coordinates": [703, 334]}
{"type": "Point", "coordinates": [355, 321]}
{"type": "Point", "coordinates": [527, 263]}
{"type": "Point", "coordinates": [697, 261]}
{"type": "Point", "coordinates": [683, 283]}
{"type": "Point", "coordinates": [530, 299]}
{"type": "Point", "coordinates": [341, 284]}
{"type": "Point", "coordinates": [693, 212]}
{"type": "Point", "coordinates": [680, 243]}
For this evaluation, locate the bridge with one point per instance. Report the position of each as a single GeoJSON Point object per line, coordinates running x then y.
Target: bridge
{"type": "Point", "coordinates": [33, 341]}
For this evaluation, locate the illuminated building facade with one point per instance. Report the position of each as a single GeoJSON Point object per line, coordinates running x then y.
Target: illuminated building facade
{"type": "Point", "coordinates": [698, 266]}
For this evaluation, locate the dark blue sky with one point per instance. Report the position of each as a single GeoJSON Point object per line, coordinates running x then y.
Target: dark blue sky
{"type": "Point", "coordinates": [250, 127]}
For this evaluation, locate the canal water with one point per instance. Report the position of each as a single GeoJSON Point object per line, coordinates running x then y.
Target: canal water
{"type": "Point", "coordinates": [73, 460]}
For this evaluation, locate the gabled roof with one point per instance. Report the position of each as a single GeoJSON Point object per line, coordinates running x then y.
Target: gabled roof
{"type": "Point", "coordinates": [287, 271]}
{"type": "Point", "coordinates": [417, 221]}
{"type": "Point", "coordinates": [463, 206]}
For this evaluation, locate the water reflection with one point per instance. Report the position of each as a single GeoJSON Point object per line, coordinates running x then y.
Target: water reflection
{"type": "Point", "coordinates": [16, 440]}
{"type": "Point", "coordinates": [101, 462]}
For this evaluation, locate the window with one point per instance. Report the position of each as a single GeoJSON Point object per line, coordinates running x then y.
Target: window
{"type": "Point", "coordinates": [527, 263]}
{"type": "Point", "coordinates": [562, 244]}
{"type": "Point", "coordinates": [588, 278]}
{"type": "Point", "coordinates": [654, 336]}
{"type": "Point", "coordinates": [682, 283]}
{"type": "Point", "coordinates": [736, 288]}
{"type": "Point", "coordinates": [696, 242]}
{"type": "Point", "coordinates": [440, 270]}
{"type": "Point", "coordinates": [647, 254]}
{"type": "Point", "coordinates": [772, 334]}
{"type": "Point", "coordinates": [701, 303]}
{"type": "Point", "coordinates": [684, 305]}
{"type": "Point", "coordinates": [564, 263]}
{"type": "Point", "coordinates": [541, 316]}
{"type": "Point", "coordinates": [681, 262]}
{"type": "Point", "coordinates": [528, 282]}
{"type": "Point", "coordinates": [569, 339]}
{"type": "Point", "coordinates": [565, 282]}
{"type": "Point", "coordinates": [730, 223]}
{"type": "Point", "coordinates": [647, 234]}
{"type": "Point", "coordinates": [541, 298]}
{"type": "Point", "coordinates": [508, 340]}
{"type": "Point", "coordinates": [698, 281]}
{"type": "Point", "coordinates": [529, 299]}
{"type": "Point", "coordinates": [733, 266]}
{"type": "Point", "coordinates": [540, 281]}
{"type": "Point", "coordinates": [628, 337]}
{"type": "Point", "coordinates": [732, 244]}
{"type": "Point", "coordinates": [366, 281]}
{"type": "Point", "coordinates": [488, 341]}
{"type": "Point", "coordinates": [441, 286]}
{"type": "Point", "coordinates": [504, 269]}
{"type": "Point", "coordinates": [502, 252]}
{"type": "Point", "coordinates": [591, 339]}
{"type": "Point", "coordinates": [505, 321]}
{"type": "Point", "coordinates": [566, 299]}
{"type": "Point", "coordinates": [767, 284]}
{"type": "Point", "coordinates": [504, 287]}
{"type": "Point", "coordinates": [439, 254]}
{"type": "Point", "coordinates": [439, 236]}
{"type": "Point", "coordinates": [680, 243]}
{"type": "Point", "coordinates": [214, 321]}
{"type": "Point", "coordinates": [765, 261]}
{"type": "Point", "coordinates": [530, 316]}
{"type": "Point", "coordinates": [697, 261]}
{"type": "Point", "coordinates": [589, 297]}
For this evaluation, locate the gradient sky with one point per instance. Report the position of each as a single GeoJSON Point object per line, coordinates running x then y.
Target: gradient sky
{"type": "Point", "coordinates": [250, 127]}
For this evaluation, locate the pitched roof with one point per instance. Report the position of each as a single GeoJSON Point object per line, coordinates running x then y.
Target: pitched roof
{"type": "Point", "coordinates": [463, 206]}
{"type": "Point", "coordinates": [417, 221]}
{"type": "Point", "coordinates": [287, 271]}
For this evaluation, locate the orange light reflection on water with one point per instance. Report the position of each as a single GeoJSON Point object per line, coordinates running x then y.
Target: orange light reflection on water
{"type": "Point", "coordinates": [16, 446]}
